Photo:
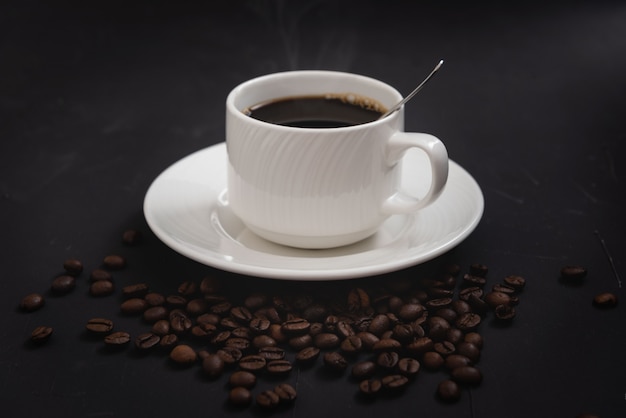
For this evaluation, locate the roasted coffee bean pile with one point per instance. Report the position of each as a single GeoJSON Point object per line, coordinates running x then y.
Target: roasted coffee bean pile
{"type": "Point", "coordinates": [381, 335]}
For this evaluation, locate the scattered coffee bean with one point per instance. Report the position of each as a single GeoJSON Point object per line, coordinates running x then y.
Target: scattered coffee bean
{"type": "Point", "coordinates": [133, 306]}
{"type": "Point", "coordinates": [308, 355]}
{"type": "Point", "coordinates": [370, 387]}
{"type": "Point", "coordinates": [467, 375]}
{"type": "Point", "coordinates": [296, 326]}
{"type": "Point", "coordinates": [32, 302]}
{"type": "Point", "coordinates": [504, 312]}
{"type": "Point", "coordinates": [408, 366]}
{"type": "Point", "coordinates": [252, 363]}
{"type": "Point", "coordinates": [448, 391]}
{"type": "Point", "coordinates": [147, 341]}
{"type": "Point", "coordinates": [278, 367]}
{"type": "Point", "coordinates": [457, 360]}
{"type": "Point", "coordinates": [333, 360]}
{"type": "Point", "coordinates": [114, 262]}
{"type": "Point", "coordinates": [516, 282]}
{"type": "Point", "coordinates": [267, 399]}
{"type": "Point", "coordinates": [474, 338]}
{"type": "Point", "coordinates": [168, 341]}
{"type": "Point", "coordinates": [131, 237]}
{"type": "Point", "coordinates": [432, 360]}
{"type": "Point", "coordinates": [41, 334]}
{"type": "Point", "coordinates": [117, 339]}
{"type": "Point", "coordinates": [154, 299]}
{"type": "Point", "coordinates": [213, 365]}
{"type": "Point", "coordinates": [99, 325]}
{"type": "Point", "coordinates": [230, 355]}
{"type": "Point", "coordinates": [155, 313]}
{"type": "Point", "coordinates": [605, 300]}
{"type": "Point", "coordinates": [101, 288]}
{"type": "Point", "coordinates": [468, 321]}
{"type": "Point", "coordinates": [242, 378]}
{"type": "Point", "coordinates": [363, 370]}
{"type": "Point", "coordinates": [494, 299]}
{"type": "Point", "coordinates": [99, 274]}
{"type": "Point", "coordinates": [240, 396]}
{"type": "Point", "coordinates": [395, 382]}
{"type": "Point", "coordinates": [468, 350]}
{"type": "Point", "coordinates": [471, 280]}
{"type": "Point", "coordinates": [137, 290]}
{"type": "Point", "coordinates": [573, 273]}
{"type": "Point", "coordinates": [387, 359]}
{"type": "Point", "coordinates": [184, 355]}
{"type": "Point", "coordinates": [285, 392]}
{"type": "Point", "coordinates": [73, 267]}
{"type": "Point", "coordinates": [272, 353]}
{"type": "Point", "coordinates": [63, 284]}
{"type": "Point", "coordinates": [326, 341]}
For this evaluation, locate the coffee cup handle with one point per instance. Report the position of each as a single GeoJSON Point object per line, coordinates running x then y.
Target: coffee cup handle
{"type": "Point", "coordinates": [397, 145]}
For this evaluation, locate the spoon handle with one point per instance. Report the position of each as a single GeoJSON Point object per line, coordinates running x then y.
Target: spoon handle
{"type": "Point", "coordinates": [414, 92]}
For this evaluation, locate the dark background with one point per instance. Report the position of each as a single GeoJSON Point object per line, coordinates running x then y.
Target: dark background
{"type": "Point", "coordinates": [97, 98]}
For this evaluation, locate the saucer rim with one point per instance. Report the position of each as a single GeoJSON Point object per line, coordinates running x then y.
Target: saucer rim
{"type": "Point", "coordinates": [218, 261]}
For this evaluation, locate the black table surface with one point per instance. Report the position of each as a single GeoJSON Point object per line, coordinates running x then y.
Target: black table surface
{"type": "Point", "coordinates": [98, 98]}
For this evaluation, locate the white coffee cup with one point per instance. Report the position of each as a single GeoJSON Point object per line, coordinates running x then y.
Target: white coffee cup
{"type": "Point", "coordinates": [321, 187]}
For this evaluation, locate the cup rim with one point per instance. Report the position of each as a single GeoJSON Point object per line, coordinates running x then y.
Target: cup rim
{"type": "Point", "coordinates": [238, 113]}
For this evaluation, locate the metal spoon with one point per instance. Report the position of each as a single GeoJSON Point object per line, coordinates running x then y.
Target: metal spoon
{"type": "Point", "coordinates": [413, 93]}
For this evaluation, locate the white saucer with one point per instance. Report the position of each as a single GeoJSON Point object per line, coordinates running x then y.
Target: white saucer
{"type": "Point", "coordinates": [186, 208]}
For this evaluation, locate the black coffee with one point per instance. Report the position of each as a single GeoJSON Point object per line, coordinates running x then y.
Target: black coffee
{"type": "Point", "coordinates": [318, 111]}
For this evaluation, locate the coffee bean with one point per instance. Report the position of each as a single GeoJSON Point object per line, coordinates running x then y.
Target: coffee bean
{"type": "Point", "coordinates": [358, 300]}
{"type": "Point", "coordinates": [242, 378]}
{"type": "Point", "coordinates": [467, 375]}
{"type": "Point", "coordinates": [370, 387]}
{"type": "Point", "coordinates": [187, 288]}
{"type": "Point", "coordinates": [155, 313]}
{"type": "Point", "coordinates": [315, 312]}
{"type": "Point", "coordinates": [300, 342]}
{"type": "Point", "coordinates": [252, 363]}
{"type": "Point", "coordinates": [272, 353]}
{"type": "Point", "coordinates": [448, 314]}
{"type": "Point", "coordinates": [386, 344]}
{"type": "Point", "coordinates": [454, 335]}
{"type": "Point", "coordinates": [147, 341]}
{"type": "Point", "coordinates": [380, 324]}
{"type": "Point", "coordinates": [278, 367]}
{"type": "Point", "coordinates": [41, 334]}
{"type": "Point", "coordinates": [240, 396]}
{"type": "Point", "coordinates": [516, 282]}
{"type": "Point", "coordinates": [209, 285]}
{"type": "Point", "coordinates": [457, 360]}
{"type": "Point", "coordinates": [180, 323]}
{"type": "Point", "coordinates": [468, 321]}
{"type": "Point", "coordinates": [176, 301]}
{"type": "Point", "coordinates": [605, 300]}
{"type": "Point", "coordinates": [133, 306]}
{"type": "Point", "coordinates": [241, 314]}
{"type": "Point", "coordinates": [448, 391]}
{"type": "Point", "coordinates": [32, 302]}
{"type": "Point", "coordinates": [101, 288]}
{"type": "Point", "coordinates": [335, 361]}
{"type": "Point", "coordinates": [437, 328]}
{"type": "Point", "coordinates": [368, 340]}
{"type": "Point", "coordinates": [478, 304]}
{"type": "Point", "coordinates": [184, 355]}
{"type": "Point", "coordinates": [395, 382]}
{"type": "Point", "coordinates": [351, 344]}
{"type": "Point", "coordinates": [137, 290]}
{"type": "Point", "coordinates": [213, 365]}
{"type": "Point", "coordinates": [114, 262]}
{"type": "Point", "coordinates": [285, 392]}
{"type": "Point", "coordinates": [504, 312]}
{"type": "Point", "coordinates": [432, 360]}
{"type": "Point", "coordinates": [573, 273]}
{"type": "Point", "coordinates": [445, 348]}
{"type": "Point", "coordinates": [242, 344]}
{"type": "Point", "coordinates": [494, 299]}
{"type": "Point", "coordinates": [63, 284]}
{"type": "Point", "coordinates": [363, 370]}
{"type": "Point", "coordinates": [267, 399]}
{"type": "Point", "coordinates": [472, 280]}
{"type": "Point", "coordinates": [326, 341]}
{"type": "Point", "coordinates": [99, 325]}
{"type": "Point", "coordinates": [468, 350]}
{"type": "Point", "coordinates": [261, 341]}
{"type": "Point", "coordinates": [168, 341]}
{"type": "Point", "coordinates": [478, 269]}
{"type": "Point", "coordinates": [154, 299]}
{"type": "Point", "coordinates": [460, 306]}
{"type": "Point", "coordinates": [297, 326]}
{"type": "Point", "coordinates": [131, 236]}
{"type": "Point", "coordinates": [474, 338]}
{"type": "Point", "coordinates": [502, 288]}
{"type": "Point", "coordinates": [73, 267]}
{"type": "Point", "coordinates": [196, 307]}
{"type": "Point", "coordinates": [117, 339]}
{"type": "Point", "coordinates": [99, 274]}
{"type": "Point", "coordinates": [259, 325]}
{"type": "Point", "coordinates": [307, 355]}
{"type": "Point", "coordinates": [420, 345]}
{"type": "Point", "coordinates": [408, 366]}
{"type": "Point", "coordinates": [465, 293]}
{"type": "Point", "coordinates": [387, 359]}
{"type": "Point", "coordinates": [230, 355]}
